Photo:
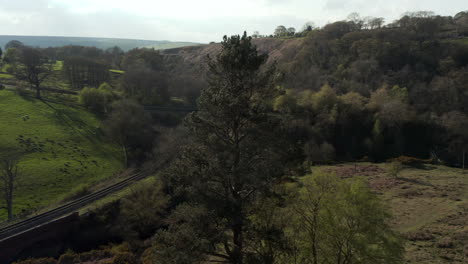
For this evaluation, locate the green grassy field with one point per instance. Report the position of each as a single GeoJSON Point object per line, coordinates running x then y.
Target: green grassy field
{"type": "Point", "coordinates": [463, 41]}
{"type": "Point", "coordinates": [117, 71]}
{"type": "Point", "coordinates": [70, 150]}
{"type": "Point", "coordinates": [6, 76]}
{"type": "Point", "coordinates": [429, 205]}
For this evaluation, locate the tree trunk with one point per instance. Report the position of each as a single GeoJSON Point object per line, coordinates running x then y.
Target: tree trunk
{"type": "Point", "coordinates": [10, 172]}
{"type": "Point", "coordinates": [238, 240]}
{"type": "Point", "coordinates": [238, 220]}
{"type": "Point", "coordinates": [314, 239]}
{"type": "Point", "coordinates": [38, 92]}
{"type": "Point", "coordinates": [10, 206]}
{"type": "Point", "coordinates": [124, 150]}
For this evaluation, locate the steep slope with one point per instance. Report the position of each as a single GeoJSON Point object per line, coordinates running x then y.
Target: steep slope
{"type": "Point", "coordinates": [281, 50]}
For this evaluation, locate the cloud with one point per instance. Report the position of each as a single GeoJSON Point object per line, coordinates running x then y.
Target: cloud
{"type": "Point", "coordinates": [336, 4]}
{"type": "Point", "coordinates": [188, 20]}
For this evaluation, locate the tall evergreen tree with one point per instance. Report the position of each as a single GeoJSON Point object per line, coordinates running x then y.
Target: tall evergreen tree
{"type": "Point", "coordinates": [232, 158]}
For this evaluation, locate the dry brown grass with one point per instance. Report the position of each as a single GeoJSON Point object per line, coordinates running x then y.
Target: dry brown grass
{"type": "Point", "coordinates": [429, 204]}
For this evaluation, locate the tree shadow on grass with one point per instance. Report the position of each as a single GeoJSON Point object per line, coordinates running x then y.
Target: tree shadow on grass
{"type": "Point", "coordinates": [422, 166]}
{"type": "Point", "coordinates": [415, 181]}
{"type": "Point", "coordinates": [73, 121]}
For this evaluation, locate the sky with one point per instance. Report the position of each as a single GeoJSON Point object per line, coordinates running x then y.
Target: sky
{"type": "Point", "coordinates": [193, 20]}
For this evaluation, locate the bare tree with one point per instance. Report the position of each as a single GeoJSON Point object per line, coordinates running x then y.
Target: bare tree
{"type": "Point", "coordinates": [256, 34]}
{"type": "Point", "coordinates": [376, 22]}
{"type": "Point", "coordinates": [34, 67]}
{"type": "Point", "coordinates": [8, 180]}
{"type": "Point", "coordinates": [356, 19]}
{"type": "Point", "coordinates": [420, 14]}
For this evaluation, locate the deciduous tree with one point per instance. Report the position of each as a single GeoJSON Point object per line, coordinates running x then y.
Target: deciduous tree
{"type": "Point", "coordinates": [333, 221]}
{"type": "Point", "coordinates": [34, 67]}
{"type": "Point", "coordinates": [280, 31]}
{"type": "Point", "coordinates": [130, 126]}
{"type": "Point", "coordinates": [15, 44]}
{"type": "Point", "coordinates": [9, 175]}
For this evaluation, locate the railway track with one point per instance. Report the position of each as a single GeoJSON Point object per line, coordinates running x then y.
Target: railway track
{"type": "Point", "coordinates": [43, 218]}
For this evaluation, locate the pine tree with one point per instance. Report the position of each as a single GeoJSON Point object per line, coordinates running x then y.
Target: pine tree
{"type": "Point", "coordinates": [232, 159]}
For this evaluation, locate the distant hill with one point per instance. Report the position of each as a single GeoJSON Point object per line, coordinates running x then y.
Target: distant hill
{"type": "Point", "coordinates": [102, 43]}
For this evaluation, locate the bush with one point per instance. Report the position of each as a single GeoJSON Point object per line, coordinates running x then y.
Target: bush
{"type": "Point", "coordinates": [323, 153]}
{"type": "Point", "coordinates": [419, 236]}
{"type": "Point", "coordinates": [445, 242]}
{"type": "Point", "coordinates": [111, 95]}
{"type": "Point", "coordinates": [73, 258]}
{"type": "Point", "coordinates": [76, 192]}
{"type": "Point", "coordinates": [94, 99]}
{"type": "Point", "coordinates": [38, 261]}
{"type": "Point", "coordinates": [395, 168]}
{"type": "Point", "coordinates": [124, 258]}
{"type": "Point", "coordinates": [94, 255]}
{"type": "Point", "coordinates": [410, 161]}
{"type": "Point", "coordinates": [123, 254]}
{"type": "Point", "coordinates": [9, 69]}
{"type": "Point", "coordinates": [67, 258]}
{"type": "Point", "coordinates": [21, 88]}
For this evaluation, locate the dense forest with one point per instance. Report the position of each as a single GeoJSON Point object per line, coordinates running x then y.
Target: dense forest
{"type": "Point", "coordinates": [353, 91]}
{"type": "Point", "coordinates": [381, 93]}
{"type": "Point", "coordinates": [263, 112]}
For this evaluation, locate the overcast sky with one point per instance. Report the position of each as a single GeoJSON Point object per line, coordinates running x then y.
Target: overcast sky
{"type": "Point", "coordinates": [192, 20]}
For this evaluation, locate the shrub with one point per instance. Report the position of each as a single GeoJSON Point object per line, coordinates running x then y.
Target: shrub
{"type": "Point", "coordinates": [395, 168]}
{"type": "Point", "coordinates": [419, 236]}
{"type": "Point", "coordinates": [122, 248]}
{"type": "Point", "coordinates": [328, 152]}
{"type": "Point", "coordinates": [67, 258]}
{"type": "Point", "coordinates": [21, 87]}
{"type": "Point", "coordinates": [445, 242]}
{"type": "Point", "coordinates": [123, 254]}
{"type": "Point", "coordinates": [410, 161]}
{"type": "Point", "coordinates": [77, 192]}
{"type": "Point", "coordinates": [90, 256]}
{"type": "Point", "coordinates": [94, 255]}
{"type": "Point", "coordinates": [94, 99]}
{"type": "Point", "coordinates": [9, 69]}
{"type": "Point", "coordinates": [323, 153]}
{"type": "Point", "coordinates": [38, 261]}
{"type": "Point", "coordinates": [124, 258]}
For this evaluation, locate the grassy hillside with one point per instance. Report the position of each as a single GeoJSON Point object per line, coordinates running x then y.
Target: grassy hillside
{"type": "Point", "coordinates": [70, 152]}
{"type": "Point", "coordinates": [101, 43]}
{"type": "Point", "coordinates": [429, 205]}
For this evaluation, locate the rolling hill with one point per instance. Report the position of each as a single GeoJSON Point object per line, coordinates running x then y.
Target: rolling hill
{"type": "Point", "coordinates": [101, 43]}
